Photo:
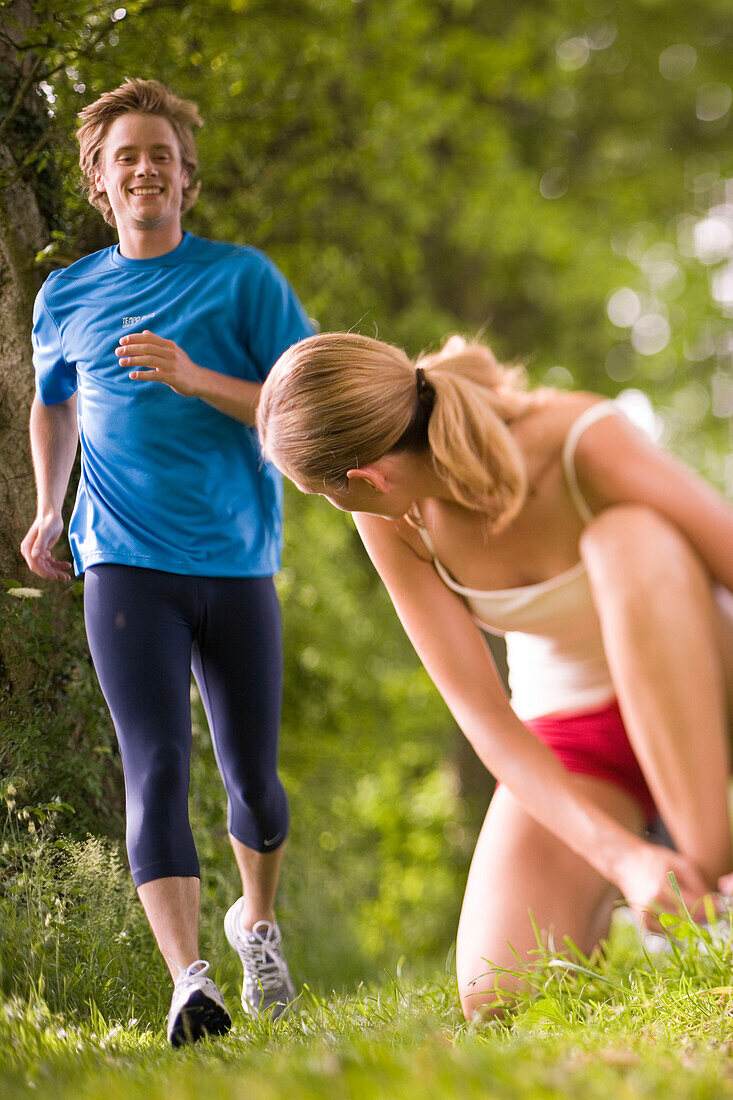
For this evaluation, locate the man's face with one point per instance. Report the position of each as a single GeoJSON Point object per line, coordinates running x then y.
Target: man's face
{"type": "Point", "coordinates": [141, 172]}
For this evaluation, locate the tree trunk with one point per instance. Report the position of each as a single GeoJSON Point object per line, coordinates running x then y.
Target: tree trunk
{"type": "Point", "coordinates": [23, 232]}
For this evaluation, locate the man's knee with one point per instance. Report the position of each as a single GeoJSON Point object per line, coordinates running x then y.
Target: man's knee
{"type": "Point", "coordinates": [161, 779]}
{"type": "Point", "coordinates": [261, 797]}
{"type": "Point", "coordinates": [259, 814]}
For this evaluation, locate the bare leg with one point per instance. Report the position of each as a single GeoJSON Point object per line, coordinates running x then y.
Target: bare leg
{"type": "Point", "coordinates": [172, 908]}
{"type": "Point", "coordinates": [724, 633]}
{"type": "Point", "coordinates": [172, 904]}
{"type": "Point", "coordinates": [260, 872]}
{"type": "Point", "coordinates": [657, 615]}
{"type": "Point", "coordinates": [521, 872]}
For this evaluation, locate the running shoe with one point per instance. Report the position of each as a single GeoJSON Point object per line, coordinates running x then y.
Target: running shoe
{"type": "Point", "coordinates": [267, 986]}
{"type": "Point", "coordinates": [197, 1007]}
{"type": "Point", "coordinates": [716, 934]}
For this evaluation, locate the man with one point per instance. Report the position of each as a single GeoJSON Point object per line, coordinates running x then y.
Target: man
{"type": "Point", "coordinates": [164, 341]}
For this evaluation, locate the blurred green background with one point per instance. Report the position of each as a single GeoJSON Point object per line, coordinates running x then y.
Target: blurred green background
{"type": "Point", "coordinates": [555, 175]}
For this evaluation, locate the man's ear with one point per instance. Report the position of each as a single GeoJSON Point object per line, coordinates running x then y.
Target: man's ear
{"type": "Point", "coordinates": [372, 475]}
{"type": "Point", "coordinates": [99, 182]}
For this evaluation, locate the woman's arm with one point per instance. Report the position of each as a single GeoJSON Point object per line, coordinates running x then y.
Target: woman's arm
{"type": "Point", "coordinates": [457, 659]}
{"type": "Point", "coordinates": [616, 464]}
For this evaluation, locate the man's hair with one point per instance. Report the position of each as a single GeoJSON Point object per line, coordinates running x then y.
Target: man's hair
{"type": "Point", "coordinates": [143, 97]}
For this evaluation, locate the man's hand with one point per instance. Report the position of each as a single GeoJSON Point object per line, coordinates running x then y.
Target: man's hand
{"type": "Point", "coordinates": [167, 363]}
{"type": "Point", "coordinates": [163, 361]}
{"type": "Point", "coordinates": [645, 884]}
{"type": "Point", "coordinates": [36, 548]}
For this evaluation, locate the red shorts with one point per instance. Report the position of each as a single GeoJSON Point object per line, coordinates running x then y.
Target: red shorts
{"type": "Point", "coordinates": [595, 743]}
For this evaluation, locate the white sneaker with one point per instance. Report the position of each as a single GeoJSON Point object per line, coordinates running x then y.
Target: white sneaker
{"type": "Point", "coordinates": [719, 936]}
{"type": "Point", "coordinates": [267, 986]}
{"type": "Point", "coordinates": [197, 1007]}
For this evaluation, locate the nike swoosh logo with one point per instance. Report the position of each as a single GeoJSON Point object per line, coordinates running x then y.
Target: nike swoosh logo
{"type": "Point", "coordinates": [274, 840]}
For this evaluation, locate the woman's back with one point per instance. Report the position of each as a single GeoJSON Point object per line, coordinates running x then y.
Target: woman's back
{"type": "Point", "coordinates": [542, 541]}
{"type": "Point", "coordinates": [528, 581]}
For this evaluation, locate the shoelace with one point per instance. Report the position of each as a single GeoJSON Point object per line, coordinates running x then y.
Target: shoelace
{"type": "Point", "coordinates": [262, 958]}
{"type": "Point", "coordinates": [193, 970]}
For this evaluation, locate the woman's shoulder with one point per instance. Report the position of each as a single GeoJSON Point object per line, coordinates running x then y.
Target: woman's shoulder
{"type": "Point", "coordinates": [405, 531]}
{"type": "Point", "coordinates": [563, 407]}
{"type": "Point", "coordinates": [547, 424]}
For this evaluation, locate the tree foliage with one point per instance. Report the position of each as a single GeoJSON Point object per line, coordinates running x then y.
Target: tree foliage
{"type": "Point", "coordinates": [424, 166]}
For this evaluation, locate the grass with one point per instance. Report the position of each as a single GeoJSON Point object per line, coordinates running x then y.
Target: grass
{"type": "Point", "coordinates": [83, 992]}
{"type": "Point", "coordinates": [86, 996]}
{"type": "Point", "coordinates": [622, 1025]}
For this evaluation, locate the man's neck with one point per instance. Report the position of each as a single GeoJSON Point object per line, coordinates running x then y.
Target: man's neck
{"type": "Point", "coordinates": [146, 244]}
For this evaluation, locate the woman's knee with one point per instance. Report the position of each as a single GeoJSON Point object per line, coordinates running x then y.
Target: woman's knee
{"type": "Point", "coordinates": [631, 548]}
{"type": "Point", "coordinates": [491, 973]}
{"type": "Point", "coordinates": [490, 995]}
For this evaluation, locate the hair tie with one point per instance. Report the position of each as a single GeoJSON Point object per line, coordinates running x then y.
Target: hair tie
{"type": "Point", "coordinates": [415, 435]}
{"type": "Point", "coordinates": [425, 392]}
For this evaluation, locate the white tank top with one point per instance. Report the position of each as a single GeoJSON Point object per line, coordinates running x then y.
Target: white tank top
{"type": "Point", "coordinates": [553, 634]}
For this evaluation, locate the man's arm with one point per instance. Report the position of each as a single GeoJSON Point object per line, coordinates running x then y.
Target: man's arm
{"type": "Point", "coordinates": [54, 438]}
{"type": "Point", "coordinates": [164, 361]}
{"type": "Point", "coordinates": [269, 319]}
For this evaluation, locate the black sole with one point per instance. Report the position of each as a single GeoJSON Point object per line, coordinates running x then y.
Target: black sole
{"type": "Point", "coordinates": [200, 1016]}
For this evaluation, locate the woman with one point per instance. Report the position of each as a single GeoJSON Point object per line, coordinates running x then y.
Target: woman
{"type": "Point", "coordinates": [548, 517]}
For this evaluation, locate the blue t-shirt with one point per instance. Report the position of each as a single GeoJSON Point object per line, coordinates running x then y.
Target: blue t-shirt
{"type": "Point", "coordinates": [168, 482]}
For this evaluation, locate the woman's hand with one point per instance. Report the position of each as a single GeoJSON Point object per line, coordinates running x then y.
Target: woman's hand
{"type": "Point", "coordinates": [644, 882]}
{"type": "Point", "coordinates": [725, 885]}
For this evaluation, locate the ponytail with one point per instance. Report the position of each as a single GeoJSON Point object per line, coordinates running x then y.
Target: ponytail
{"type": "Point", "coordinates": [471, 445]}
{"type": "Point", "coordinates": [340, 401]}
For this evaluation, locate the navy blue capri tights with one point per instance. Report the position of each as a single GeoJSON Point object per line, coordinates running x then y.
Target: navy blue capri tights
{"type": "Point", "coordinates": [146, 631]}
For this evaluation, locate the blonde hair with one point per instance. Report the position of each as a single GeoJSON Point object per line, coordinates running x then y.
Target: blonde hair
{"type": "Point", "coordinates": [340, 401]}
{"type": "Point", "coordinates": [141, 97]}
